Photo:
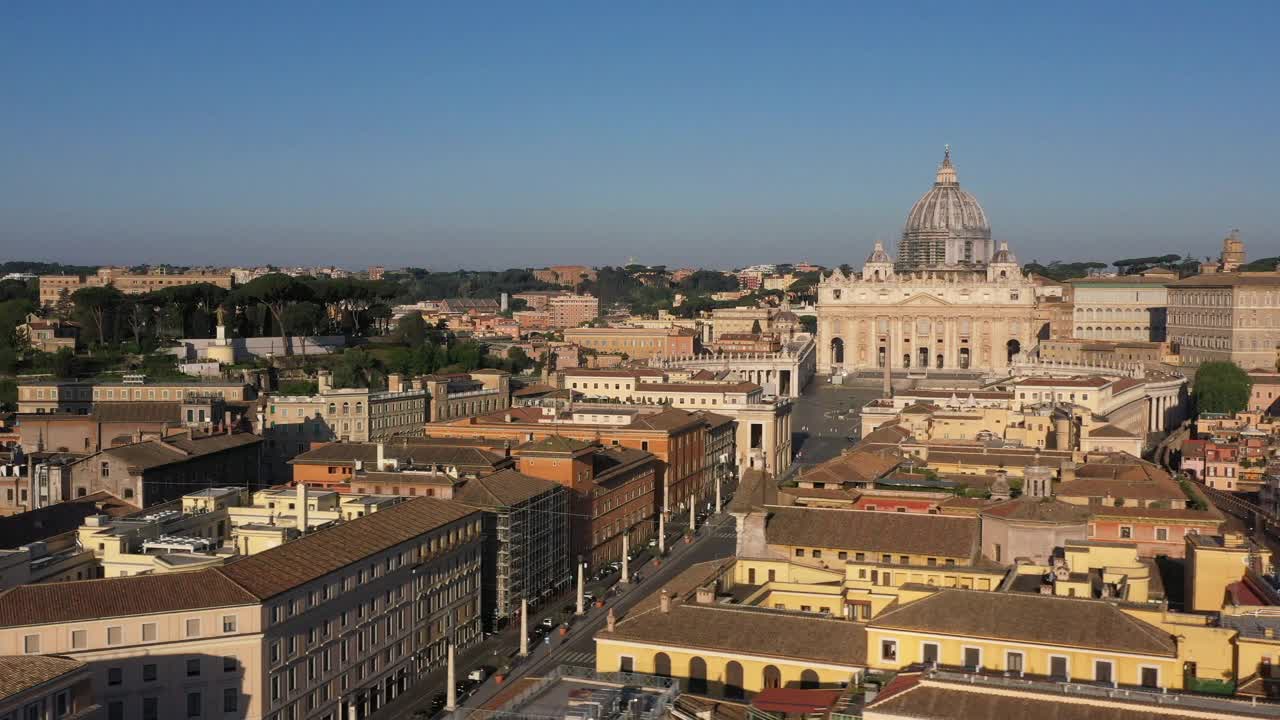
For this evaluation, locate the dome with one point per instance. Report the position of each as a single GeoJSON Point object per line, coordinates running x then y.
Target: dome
{"type": "Point", "coordinates": [1004, 255]}
{"type": "Point", "coordinates": [879, 255]}
{"type": "Point", "coordinates": [946, 226]}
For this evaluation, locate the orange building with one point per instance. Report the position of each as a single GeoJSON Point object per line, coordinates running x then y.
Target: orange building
{"type": "Point", "coordinates": [613, 492]}
{"type": "Point", "coordinates": [677, 438]}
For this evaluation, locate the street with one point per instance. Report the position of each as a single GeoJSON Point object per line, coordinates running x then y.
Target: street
{"type": "Point", "coordinates": [716, 539]}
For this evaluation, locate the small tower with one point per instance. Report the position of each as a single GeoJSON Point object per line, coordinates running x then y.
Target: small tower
{"type": "Point", "coordinates": [1004, 264]}
{"type": "Point", "coordinates": [879, 266]}
{"type": "Point", "coordinates": [1232, 252]}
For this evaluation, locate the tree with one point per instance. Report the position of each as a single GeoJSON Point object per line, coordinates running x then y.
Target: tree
{"type": "Point", "coordinates": [304, 319]}
{"type": "Point", "coordinates": [412, 330]}
{"type": "Point", "coordinates": [755, 327]}
{"type": "Point", "coordinates": [276, 292]}
{"type": "Point", "coordinates": [809, 324]}
{"type": "Point", "coordinates": [138, 314]}
{"type": "Point", "coordinates": [98, 302]}
{"type": "Point", "coordinates": [64, 363]}
{"type": "Point", "coordinates": [1221, 387]}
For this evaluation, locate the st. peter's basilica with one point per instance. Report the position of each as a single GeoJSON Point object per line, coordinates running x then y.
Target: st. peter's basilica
{"type": "Point", "coordinates": [951, 301]}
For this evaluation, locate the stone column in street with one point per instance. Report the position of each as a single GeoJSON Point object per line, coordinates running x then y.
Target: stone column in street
{"type": "Point", "coordinates": [451, 685]}
{"type": "Point", "coordinates": [693, 513]}
{"type": "Point", "coordinates": [662, 533]}
{"type": "Point", "coordinates": [718, 483]}
{"type": "Point", "coordinates": [524, 627]}
{"type": "Point", "coordinates": [626, 556]}
{"type": "Point", "coordinates": [581, 588]}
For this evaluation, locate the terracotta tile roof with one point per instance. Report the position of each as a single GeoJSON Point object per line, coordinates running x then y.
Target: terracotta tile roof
{"type": "Point", "coordinates": [505, 488]}
{"type": "Point", "coordinates": [19, 673]}
{"type": "Point", "coordinates": [178, 448]}
{"type": "Point", "coordinates": [1038, 510]}
{"type": "Point", "coordinates": [1111, 431]}
{"type": "Point", "coordinates": [714, 420]}
{"type": "Point", "coordinates": [464, 454]}
{"type": "Point", "coordinates": [43, 523]}
{"type": "Point", "coordinates": [118, 597]}
{"type": "Point", "coordinates": [1044, 619]}
{"type": "Point", "coordinates": [872, 531]}
{"type": "Point", "coordinates": [738, 387]}
{"type": "Point", "coordinates": [313, 556]}
{"type": "Point", "coordinates": [953, 701]}
{"type": "Point", "coordinates": [756, 490]}
{"type": "Point", "coordinates": [756, 631]}
{"type": "Point", "coordinates": [1085, 382]}
{"type": "Point", "coordinates": [858, 466]}
{"type": "Point", "coordinates": [667, 420]}
{"type": "Point", "coordinates": [138, 412]}
{"type": "Point", "coordinates": [555, 444]}
{"type": "Point", "coordinates": [1229, 279]}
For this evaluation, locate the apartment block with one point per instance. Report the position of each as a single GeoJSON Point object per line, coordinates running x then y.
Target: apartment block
{"type": "Point", "coordinates": [1232, 317]}
{"type": "Point", "coordinates": [636, 343]}
{"type": "Point", "coordinates": [330, 625]}
{"type": "Point", "coordinates": [52, 287]}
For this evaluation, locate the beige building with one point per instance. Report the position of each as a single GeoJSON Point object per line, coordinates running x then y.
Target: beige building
{"type": "Point", "coordinates": [1101, 352]}
{"type": "Point", "coordinates": [748, 320]}
{"type": "Point", "coordinates": [763, 425]}
{"type": "Point", "coordinates": [636, 343]}
{"type": "Point", "coordinates": [78, 396]}
{"type": "Point", "coordinates": [951, 317]}
{"type": "Point", "coordinates": [49, 335]}
{"type": "Point", "coordinates": [1126, 307]}
{"type": "Point", "coordinates": [1233, 317]}
{"type": "Point", "coordinates": [346, 617]}
{"type": "Point", "coordinates": [53, 286]}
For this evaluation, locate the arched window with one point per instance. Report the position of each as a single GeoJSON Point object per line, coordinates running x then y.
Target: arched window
{"type": "Point", "coordinates": [697, 675]}
{"type": "Point", "coordinates": [359, 408]}
{"type": "Point", "coordinates": [733, 680]}
{"type": "Point", "coordinates": [333, 408]}
{"type": "Point", "coordinates": [837, 351]}
{"type": "Point", "coordinates": [662, 665]}
{"type": "Point", "coordinates": [772, 677]}
{"type": "Point", "coordinates": [809, 680]}
{"type": "Point", "coordinates": [128, 493]}
{"type": "Point", "coordinates": [346, 408]}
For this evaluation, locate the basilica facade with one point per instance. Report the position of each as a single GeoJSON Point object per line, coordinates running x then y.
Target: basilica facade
{"type": "Point", "coordinates": [949, 302]}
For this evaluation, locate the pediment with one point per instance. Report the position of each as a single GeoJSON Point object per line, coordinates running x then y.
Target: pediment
{"type": "Point", "coordinates": [925, 300]}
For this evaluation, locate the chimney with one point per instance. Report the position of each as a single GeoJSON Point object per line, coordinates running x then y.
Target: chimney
{"type": "Point", "coordinates": [302, 508]}
{"type": "Point", "coordinates": [1068, 470]}
{"type": "Point", "coordinates": [611, 620]}
{"type": "Point", "coordinates": [706, 595]}
{"type": "Point", "coordinates": [324, 381]}
{"type": "Point", "coordinates": [664, 601]}
{"type": "Point", "coordinates": [395, 383]}
{"type": "Point", "coordinates": [507, 418]}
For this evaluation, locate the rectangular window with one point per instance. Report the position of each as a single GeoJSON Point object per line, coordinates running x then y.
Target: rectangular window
{"type": "Point", "coordinates": [1150, 677]}
{"type": "Point", "coordinates": [889, 650]}
{"type": "Point", "coordinates": [1126, 532]}
{"type": "Point", "coordinates": [115, 710]}
{"type": "Point", "coordinates": [230, 700]}
{"type": "Point", "coordinates": [193, 704]}
{"type": "Point", "coordinates": [1162, 534]}
{"type": "Point", "coordinates": [115, 676]}
{"type": "Point", "coordinates": [149, 672]}
{"type": "Point", "coordinates": [1102, 671]}
{"type": "Point", "coordinates": [1058, 667]}
{"type": "Point", "coordinates": [31, 644]}
{"type": "Point", "coordinates": [972, 658]}
{"type": "Point", "coordinates": [228, 623]}
{"type": "Point", "coordinates": [1013, 662]}
{"type": "Point", "coordinates": [929, 653]}
{"type": "Point", "coordinates": [193, 628]}
{"type": "Point", "coordinates": [115, 635]}
{"type": "Point", "coordinates": [148, 632]}
{"type": "Point", "coordinates": [79, 639]}
{"type": "Point", "coordinates": [193, 667]}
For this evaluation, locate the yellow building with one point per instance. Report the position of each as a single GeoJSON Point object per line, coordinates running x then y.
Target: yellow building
{"type": "Point", "coordinates": [1064, 638]}
{"type": "Point", "coordinates": [684, 631]}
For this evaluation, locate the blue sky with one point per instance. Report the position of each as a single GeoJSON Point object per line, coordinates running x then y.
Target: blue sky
{"type": "Point", "coordinates": [493, 134]}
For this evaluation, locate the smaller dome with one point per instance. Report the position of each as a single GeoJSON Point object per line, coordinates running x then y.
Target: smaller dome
{"type": "Point", "coordinates": [879, 255]}
{"type": "Point", "coordinates": [1004, 255]}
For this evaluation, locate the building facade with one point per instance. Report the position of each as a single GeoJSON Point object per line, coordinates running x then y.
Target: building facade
{"type": "Point", "coordinates": [1231, 317]}
{"type": "Point", "coordinates": [636, 343]}
{"type": "Point", "coordinates": [336, 622]}
{"type": "Point", "coordinates": [52, 287]}
{"type": "Point", "coordinates": [1127, 307]}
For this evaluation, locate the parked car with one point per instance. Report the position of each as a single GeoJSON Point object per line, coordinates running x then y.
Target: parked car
{"type": "Point", "coordinates": [478, 675]}
{"type": "Point", "coordinates": [438, 701]}
{"type": "Point", "coordinates": [548, 622]}
{"type": "Point", "coordinates": [589, 597]}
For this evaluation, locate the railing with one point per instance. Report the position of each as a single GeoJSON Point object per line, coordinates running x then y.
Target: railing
{"type": "Point", "coordinates": [668, 689]}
